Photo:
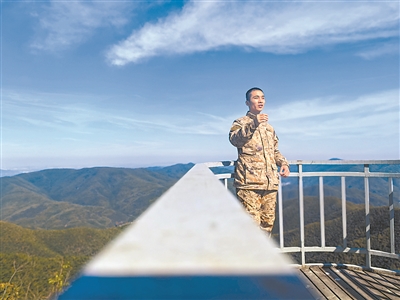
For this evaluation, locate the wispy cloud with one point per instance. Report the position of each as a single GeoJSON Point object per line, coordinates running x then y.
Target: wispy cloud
{"type": "Point", "coordinates": [72, 113]}
{"type": "Point", "coordinates": [335, 118]}
{"type": "Point", "coordinates": [63, 24]}
{"type": "Point", "coordinates": [380, 50]}
{"type": "Point", "coordinates": [287, 27]}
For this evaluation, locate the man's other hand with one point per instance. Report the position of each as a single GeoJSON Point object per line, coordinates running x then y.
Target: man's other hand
{"type": "Point", "coordinates": [284, 172]}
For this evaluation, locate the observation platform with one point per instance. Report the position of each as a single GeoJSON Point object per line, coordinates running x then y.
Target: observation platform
{"type": "Point", "coordinates": [197, 242]}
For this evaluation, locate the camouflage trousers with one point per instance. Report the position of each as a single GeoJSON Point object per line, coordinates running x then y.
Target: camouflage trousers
{"type": "Point", "coordinates": [261, 205]}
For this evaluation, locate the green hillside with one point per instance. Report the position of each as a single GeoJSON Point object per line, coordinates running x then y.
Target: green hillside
{"type": "Point", "coordinates": [104, 197]}
{"type": "Point", "coordinates": [93, 197]}
{"type": "Point", "coordinates": [51, 243]}
{"type": "Point", "coordinates": [40, 262]}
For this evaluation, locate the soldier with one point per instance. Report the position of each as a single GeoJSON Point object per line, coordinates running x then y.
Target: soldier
{"type": "Point", "coordinates": [256, 172]}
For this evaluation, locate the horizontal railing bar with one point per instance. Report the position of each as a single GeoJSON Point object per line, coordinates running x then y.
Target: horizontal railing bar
{"type": "Point", "coordinates": [338, 265]}
{"type": "Point", "coordinates": [344, 162]}
{"type": "Point", "coordinates": [329, 174]}
{"type": "Point", "coordinates": [384, 254]}
{"type": "Point", "coordinates": [224, 176]}
{"type": "Point", "coordinates": [345, 174]}
{"type": "Point", "coordinates": [220, 164]}
{"type": "Point", "coordinates": [290, 249]}
{"type": "Point", "coordinates": [325, 249]}
{"type": "Point", "coordinates": [340, 250]}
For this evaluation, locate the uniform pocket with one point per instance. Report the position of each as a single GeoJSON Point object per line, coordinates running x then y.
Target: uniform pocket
{"type": "Point", "coordinates": [255, 173]}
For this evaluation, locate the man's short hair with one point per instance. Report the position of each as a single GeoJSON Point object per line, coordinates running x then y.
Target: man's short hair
{"type": "Point", "coordinates": [248, 93]}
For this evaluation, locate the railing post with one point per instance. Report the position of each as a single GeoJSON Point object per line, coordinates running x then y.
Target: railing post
{"type": "Point", "coordinates": [301, 207]}
{"type": "Point", "coordinates": [344, 214]}
{"type": "Point", "coordinates": [280, 208]}
{"type": "Point", "coordinates": [391, 213]}
{"type": "Point", "coordinates": [322, 210]}
{"type": "Point", "coordinates": [367, 217]}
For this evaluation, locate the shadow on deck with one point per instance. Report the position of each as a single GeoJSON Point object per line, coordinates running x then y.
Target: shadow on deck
{"type": "Point", "coordinates": [331, 282]}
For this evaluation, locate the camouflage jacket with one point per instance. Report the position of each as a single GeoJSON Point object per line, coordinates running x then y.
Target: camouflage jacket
{"type": "Point", "coordinates": [258, 154]}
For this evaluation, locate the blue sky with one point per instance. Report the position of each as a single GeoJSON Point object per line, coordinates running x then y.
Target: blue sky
{"type": "Point", "coordinates": [146, 83]}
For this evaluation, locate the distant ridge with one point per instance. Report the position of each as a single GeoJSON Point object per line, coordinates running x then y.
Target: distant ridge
{"type": "Point", "coordinates": [104, 197]}
{"type": "Point", "coordinates": [98, 197]}
{"type": "Point", "coordinates": [4, 173]}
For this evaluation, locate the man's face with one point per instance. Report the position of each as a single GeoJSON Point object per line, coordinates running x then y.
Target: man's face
{"type": "Point", "coordinates": [256, 102]}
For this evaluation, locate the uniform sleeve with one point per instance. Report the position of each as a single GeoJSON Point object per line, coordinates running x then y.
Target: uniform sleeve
{"type": "Point", "coordinates": [241, 132]}
{"type": "Point", "coordinates": [280, 160]}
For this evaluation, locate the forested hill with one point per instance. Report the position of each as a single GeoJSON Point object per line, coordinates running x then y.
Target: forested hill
{"type": "Point", "coordinates": [91, 197]}
{"type": "Point", "coordinates": [54, 243]}
{"type": "Point", "coordinates": [104, 197]}
{"type": "Point", "coordinates": [38, 263]}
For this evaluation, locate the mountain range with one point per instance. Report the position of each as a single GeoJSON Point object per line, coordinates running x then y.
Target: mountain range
{"type": "Point", "coordinates": [54, 221]}
{"type": "Point", "coordinates": [92, 197]}
{"type": "Point", "coordinates": [104, 197]}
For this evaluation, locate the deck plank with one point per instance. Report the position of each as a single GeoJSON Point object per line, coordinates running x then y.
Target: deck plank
{"type": "Point", "coordinates": [350, 283]}
{"type": "Point", "coordinates": [391, 289]}
{"type": "Point", "coordinates": [310, 286]}
{"type": "Point", "coordinates": [393, 279]}
{"type": "Point", "coordinates": [325, 275]}
{"type": "Point", "coordinates": [362, 292]}
{"type": "Point", "coordinates": [367, 282]}
{"type": "Point", "coordinates": [319, 284]}
{"type": "Point", "coordinates": [342, 282]}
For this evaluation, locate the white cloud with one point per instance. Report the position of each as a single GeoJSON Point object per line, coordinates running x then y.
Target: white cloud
{"type": "Point", "coordinates": [71, 113]}
{"type": "Point", "coordinates": [66, 23]}
{"type": "Point", "coordinates": [337, 118]}
{"type": "Point", "coordinates": [286, 27]}
{"type": "Point", "coordinates": [380, 50]}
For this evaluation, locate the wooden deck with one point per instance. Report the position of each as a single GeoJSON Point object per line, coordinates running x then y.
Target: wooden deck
{"type": "Point", "coordinates": [350, 283]}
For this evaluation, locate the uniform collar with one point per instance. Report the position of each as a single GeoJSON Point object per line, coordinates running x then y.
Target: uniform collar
{"type": "Point", "coordinates": [251, 115]}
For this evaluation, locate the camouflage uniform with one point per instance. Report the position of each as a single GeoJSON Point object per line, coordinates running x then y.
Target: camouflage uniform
{"type": "Point", "coordinates": [256, 171]}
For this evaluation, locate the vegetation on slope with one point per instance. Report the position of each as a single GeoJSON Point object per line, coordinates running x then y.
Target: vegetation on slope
{"type": "Point", "coordinates": [36, 264]}
{"type": "Point", "coordinates": [94, 197]}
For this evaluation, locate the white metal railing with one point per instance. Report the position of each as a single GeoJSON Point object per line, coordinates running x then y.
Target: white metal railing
{"type": "Point", "coordinates": [366, 174]}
